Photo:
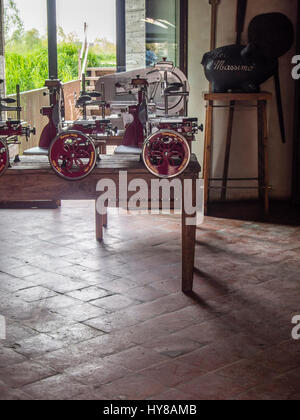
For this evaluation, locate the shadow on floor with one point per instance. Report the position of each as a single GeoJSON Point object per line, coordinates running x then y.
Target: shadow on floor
{"type": "Point", "coordinates": [281, 212]}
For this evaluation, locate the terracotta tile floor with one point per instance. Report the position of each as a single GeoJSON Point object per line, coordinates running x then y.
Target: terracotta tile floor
{"type": "Point", "coordinates": [91, 321]}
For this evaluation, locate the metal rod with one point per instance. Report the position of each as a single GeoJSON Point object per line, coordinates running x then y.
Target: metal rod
{"type": "Point", "coordinates": [103, 99]}
{"type": "Point", "coordinates": [185, 100]}
{"type": "Point", "coordinates": [18, 103]}
{"type": "Point", "coordinates": [85, 61]}
{"type": "Point", "coordinates": [83, 83]}
{"type": "Point", "coordinates": [176, 94]}
{"type": "Point", "coordinates": [83, 53]}
{"type": "Point", "coordinates": [166, 96]}
{"type": "Point", "coordinates": [84, 113]}
{"type": "Point", "coordinates": [52, 39]}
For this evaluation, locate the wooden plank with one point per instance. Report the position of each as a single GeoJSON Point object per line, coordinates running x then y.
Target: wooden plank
{"type": "Point", "coordinates": [101, 69]}
{"type": "Point", "coordinates": [92, 78]}
{"type": "Point", "coordinates": [262, 96]}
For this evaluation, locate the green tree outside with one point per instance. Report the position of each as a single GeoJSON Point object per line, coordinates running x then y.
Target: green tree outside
{"type": "Point", "coordinates": [27, 54]}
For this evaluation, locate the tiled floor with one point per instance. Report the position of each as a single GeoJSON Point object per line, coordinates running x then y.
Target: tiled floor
{"type": "Point", "coordinates": [91, 321]}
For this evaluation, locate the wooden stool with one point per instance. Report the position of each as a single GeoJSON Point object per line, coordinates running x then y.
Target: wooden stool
{"type": "Point", "coordinates": [263, 175]}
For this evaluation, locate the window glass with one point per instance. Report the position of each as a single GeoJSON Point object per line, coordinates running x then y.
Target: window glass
{"type": "Point", "coordinates": [152, 32]}
{"type": "Point", "coordinates": [26, 50]}
{"type": "Point", "coordinates": [161, 30]}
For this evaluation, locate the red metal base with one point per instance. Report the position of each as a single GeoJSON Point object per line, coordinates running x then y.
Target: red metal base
{"type": "Point", "coordinates": [4, 157]}
{"type": "Point", "coordinates": [166, 154]}
{"type": "Point", "coordinates": [72, 155]}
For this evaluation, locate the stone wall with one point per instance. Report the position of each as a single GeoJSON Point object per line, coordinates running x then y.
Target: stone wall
{"type": "Point", "coordinates": [135, 34]}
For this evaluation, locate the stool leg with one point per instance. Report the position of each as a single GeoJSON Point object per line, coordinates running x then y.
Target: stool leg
{"type": "Point", "coordinates": [227, 150]}
{"type": "Point", "coordinates": [266, 157]}
{"type": "Point", "coordinates": [207, 154]}
{"type": "Point", "coordinates": [261, 160]}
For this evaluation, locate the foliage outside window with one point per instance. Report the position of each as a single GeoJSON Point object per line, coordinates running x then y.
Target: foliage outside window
{"type": "Point", "coordinates": [26, 53]}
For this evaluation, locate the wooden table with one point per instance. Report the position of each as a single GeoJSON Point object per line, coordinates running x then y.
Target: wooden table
{"type": "Point", "coordinates": [33, 180]}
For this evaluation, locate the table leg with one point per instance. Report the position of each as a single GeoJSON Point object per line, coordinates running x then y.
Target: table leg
{"type": "Point", "coordinates": [188, 247]}
{"type": "Point", "coordinates": [105, 222]}
{"type": "Point", "coordinates": [99, 226]}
